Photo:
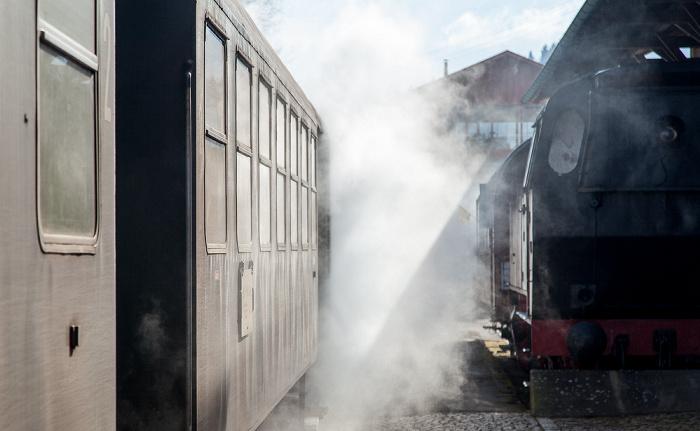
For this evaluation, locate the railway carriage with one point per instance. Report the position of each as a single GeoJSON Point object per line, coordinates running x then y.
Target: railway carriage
{"type": "Point", "coordinates": [217, 239]}
{"type": "Point", "coordinates": [590, 234]}
{"type": "Point", "coordinates": [57, 215]}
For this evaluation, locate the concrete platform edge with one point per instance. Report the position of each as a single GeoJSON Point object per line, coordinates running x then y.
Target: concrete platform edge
{"type": "Point", "coordinates": [589, 393]}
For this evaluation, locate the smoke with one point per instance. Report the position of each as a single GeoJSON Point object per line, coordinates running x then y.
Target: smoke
{"type": "Point", "coordinates": [399, 258]}
{"type": "Point", "coordinates": [151, 337]}
{"type": "Point", "coordinates": [153, 381]}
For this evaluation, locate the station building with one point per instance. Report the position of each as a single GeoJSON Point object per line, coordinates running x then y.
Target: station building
{"type": "Point", "coordinates": [486, 109]}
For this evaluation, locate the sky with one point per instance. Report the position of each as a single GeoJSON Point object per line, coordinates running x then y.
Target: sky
{"type": "Point", "coordinates": [464, 32]}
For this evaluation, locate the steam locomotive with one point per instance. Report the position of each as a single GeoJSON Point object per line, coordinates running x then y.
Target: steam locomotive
{"type": "Point", "coordinates": [159, 258]}
{"type": "Point", "coordinates": [590, 232]}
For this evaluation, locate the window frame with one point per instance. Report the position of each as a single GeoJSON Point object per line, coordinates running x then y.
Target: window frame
{"type": "Point", "coordinates": [295, 119]}
{"type": "Point", "coordinates": [281, 168]}
{"type": "Point", "coordinates": [294, 149]}
{"type": "Point", "coordinates": [240, 57]}
{"type": "Point", "coordinates": [294, 199]}
{"type": "Point", "coordinates": [244, 149]}
{"type": "Point", "coordinates": [263, 82]}
{"type": "Point", "coordinates": [54, 39]}
{"type": "Point", "coordinates": [218, 136]}
{"type": "Point", "coordinates": [245, 247]}
{"type": "Point", "coordinates": [305, 134]}
{"type": "Point", "coordinates": [305, 218]}
{"type": "Point", "coordinates": [313, 214]}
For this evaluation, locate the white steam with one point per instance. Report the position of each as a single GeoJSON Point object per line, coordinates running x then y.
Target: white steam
{"type": "Point", "coordinates": [396, 287]}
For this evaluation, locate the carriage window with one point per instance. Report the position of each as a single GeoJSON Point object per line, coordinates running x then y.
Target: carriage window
{"type": "Point", "coordinates": [304, 153]}
{"type": "Point", "coordinates": [244, 216]}
{"type": "Point", "coordinates": [265, 208]}
{"type": "Point", "coordinates": [215, 195]}
{"type": "Point", "coordinates": [314, 222]}
{"type": "Point", "coordinates": [264, 121]}
{"type": "Point", "coordinates": [312, 149]}
{"type": "Point", "coordinates": [294, 231]}
{"type": "Point", "coordinates": [281, 154]}
{"type": "Point", "coordinates": [294, 142]}
{"type": "Point", "coordinates": [215, 82]}
{"type": "Point", "coordinates": [73, 18]}
{"type": "Point", "coordinates": [243, 123]}
{"type": "Point", "coordinates": [67, 174]}
{"type": "Point", "coordinates": [567, 136]}
{"type": "Point", "coordinates": [215, 150]}
{"type": "Point", "coordinates": [305, 217]}
{"type": "Point", "coordinates": [281, 217]}
{"type": "Point", "coordinates": [67, 180]}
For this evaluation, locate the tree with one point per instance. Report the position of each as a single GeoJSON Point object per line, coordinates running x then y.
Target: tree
{"type": "Point", "coordinates": [547, 52]}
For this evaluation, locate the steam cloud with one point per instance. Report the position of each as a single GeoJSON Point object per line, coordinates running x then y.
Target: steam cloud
{"type": "Point", "coordinates": [399, 276]}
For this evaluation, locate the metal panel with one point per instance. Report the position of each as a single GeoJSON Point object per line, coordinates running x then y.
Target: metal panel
{"type": "Point", "coordinates": [43, 385]}
{"type": "Point", "coordinates": [247, 300]}
{"type": "Point", "coordinates": [256, 323]}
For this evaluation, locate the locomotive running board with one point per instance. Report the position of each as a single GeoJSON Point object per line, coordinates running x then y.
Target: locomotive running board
{"type": "Point", "coordinates": [579, 393]}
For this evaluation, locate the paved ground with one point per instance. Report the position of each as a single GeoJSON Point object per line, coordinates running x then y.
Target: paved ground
{"type": "Point", "coordinates": [523, 421]}
{"type": "Point", "coordinates": [492, 399]}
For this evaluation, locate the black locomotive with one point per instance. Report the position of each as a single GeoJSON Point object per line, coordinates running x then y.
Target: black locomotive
{"type": "Point", "coordinates": [591, 231]}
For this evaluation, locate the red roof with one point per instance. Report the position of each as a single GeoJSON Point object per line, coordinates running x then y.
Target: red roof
{"type": "Point", "coordinates": [501, 80]}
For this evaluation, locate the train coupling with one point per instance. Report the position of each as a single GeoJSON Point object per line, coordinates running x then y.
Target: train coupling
{"type": "Point", "coordinates": [501, 328]}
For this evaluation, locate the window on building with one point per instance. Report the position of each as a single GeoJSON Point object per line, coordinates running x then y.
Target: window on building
{"type": "Point", "coordinates": [505, 134]}
{"type": "Point", "coordinates": [528, 130]}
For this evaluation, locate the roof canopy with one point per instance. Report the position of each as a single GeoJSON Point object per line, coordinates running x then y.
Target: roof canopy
{"type": "Point", "coordinates": [609, 33]}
